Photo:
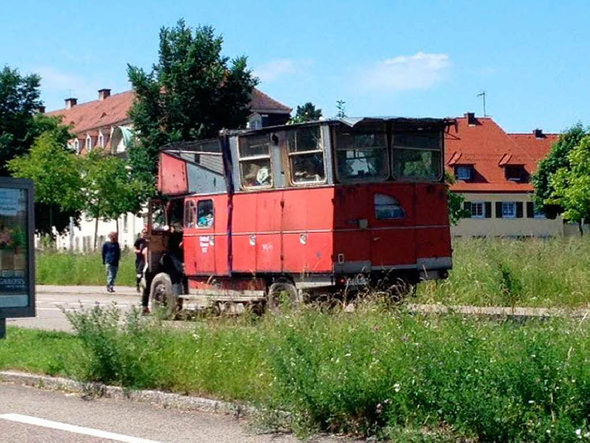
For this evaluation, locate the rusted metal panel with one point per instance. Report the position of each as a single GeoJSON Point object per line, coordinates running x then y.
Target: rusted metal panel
{"type": "Point", "coordinates": [172, 178]}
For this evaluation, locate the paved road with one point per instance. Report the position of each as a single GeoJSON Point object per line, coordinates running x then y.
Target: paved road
{"type": "Point", "coordinates": [51, 300]}
{"type": "Point", "coordinates": [33, 415]}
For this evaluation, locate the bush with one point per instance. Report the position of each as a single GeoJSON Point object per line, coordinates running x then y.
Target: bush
{"type": "Point", "coordinates": [374, 372]}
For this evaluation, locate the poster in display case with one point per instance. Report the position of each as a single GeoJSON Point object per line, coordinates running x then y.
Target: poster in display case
{"type": "Point", "coordinates": [17, 281]}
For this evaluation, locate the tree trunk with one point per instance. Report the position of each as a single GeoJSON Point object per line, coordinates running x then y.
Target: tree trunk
{"type": "Point", "coordinates": [51, 220]}
{"type": "Point", "coordinates": [95, 233]}
{"type": "Point", "coordinates": [581, 228]}
{"type": "Point", "coordinates": [117, 225]}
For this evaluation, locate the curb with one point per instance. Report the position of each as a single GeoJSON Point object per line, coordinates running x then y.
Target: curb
{"type": "Point", "coordinates": [159, 398]}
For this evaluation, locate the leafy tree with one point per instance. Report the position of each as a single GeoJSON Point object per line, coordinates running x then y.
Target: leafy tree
{"type": "Point", "coordinates": [558, 158]}
{"type": "Point", "coordinates": [455, 201]}
{"type": "Point", "coordinates": [19, 102]}
{"type": "Point", "coordinates": [56, 174]}
{"type": "Point", "coordinates": [109, 189]}
{"type": "Point", "coordinates": [571, 184]}
{"type": "Point", "coordinates": [191, 93]}
{"type": "Point", "coordinates": [306, 113]}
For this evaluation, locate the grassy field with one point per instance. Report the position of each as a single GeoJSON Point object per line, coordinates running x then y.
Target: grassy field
{"type": "Point", "coordinates": [64, 268]}
{"type": "Point", "coordinates": [531, 272]}
{"type": "Point", "coordinates": [487, 272]}
{"type": "Point", "coordinates": [374, 372]}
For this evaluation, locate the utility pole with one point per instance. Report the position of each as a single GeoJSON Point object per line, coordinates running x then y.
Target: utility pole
{"type": "Point", "coordinates": [482, 94]}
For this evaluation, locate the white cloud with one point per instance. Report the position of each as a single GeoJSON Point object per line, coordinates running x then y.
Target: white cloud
{"type": "Point", "coordinates": [405, 72]}
{"type": "Point", "coordinates": [272, 70]}
{"type": "Point", "coordinates": [55, 80]}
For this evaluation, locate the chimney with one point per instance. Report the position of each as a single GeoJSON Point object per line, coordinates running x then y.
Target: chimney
{"type": "Point", "coordinates": [471, 120]}
{"type": "Point", "coordinates": [41, 109]}
{"type": "Point", "coordinates": [103, 93]}
{"type": "Point", "coordinates": [71, 102]}
{"type": "Point", "coordinates": [538, 133]}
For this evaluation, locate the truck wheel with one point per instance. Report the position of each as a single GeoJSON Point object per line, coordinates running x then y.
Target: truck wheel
{"type": "Point", "coordinates": [162, 297]}
{"type": "Point", "coordinates": [282, 292]}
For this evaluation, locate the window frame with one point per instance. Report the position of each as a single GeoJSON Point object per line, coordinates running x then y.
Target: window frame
{"type": "Point", "coordinates": [387, 156]}
{"type": "Point", "coordinates": [467, 168]}
{"type": "Point", "coordinates": [414, 148]}
{"type": "Point", "coordinates": [88, 143]}
{"type": "Point", "coordinates": [188, 205]}
{"type": "Point", "coordinates": [292, 155]}
{"type": "Point", "coordinates": [212, 226]}
{"type": "Point", "coordinates": [242, 159]}
{"type": "Point", "coordinates": [505, 204]}
{"type": "Point", "coordinates": [483, 209]}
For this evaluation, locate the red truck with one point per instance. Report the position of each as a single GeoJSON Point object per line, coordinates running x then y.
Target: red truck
{"type": "Point", "coordinates": [308, 209]}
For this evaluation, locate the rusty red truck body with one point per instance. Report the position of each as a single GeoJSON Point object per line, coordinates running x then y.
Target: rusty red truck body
{"type": "Point", "coordinates": [310, 207]}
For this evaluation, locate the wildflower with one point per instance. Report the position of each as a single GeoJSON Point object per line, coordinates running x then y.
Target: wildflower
{"type": "Point", "coordinates": [531, 402]}
{"type": "Point", "coordinates": [396, 387]}
{"type": "Point", "coordinates": [579, 433]}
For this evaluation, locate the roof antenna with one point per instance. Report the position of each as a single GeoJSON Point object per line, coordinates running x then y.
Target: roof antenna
{"type": "Point", "coordinates": [482, 94]}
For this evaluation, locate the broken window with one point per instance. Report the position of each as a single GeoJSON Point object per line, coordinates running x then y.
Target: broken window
{"type": "Point", "coordinates": [306, 155]}
{"type": "Point", "coordinates": [255, 165]}
{"type": "Point", "coordinates": [417, 156]}
{"type": "Point", "coordinates": [361, 156]}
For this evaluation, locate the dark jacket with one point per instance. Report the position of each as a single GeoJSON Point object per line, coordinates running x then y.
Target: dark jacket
{"type": "Point", "coordinates": [111, 253]}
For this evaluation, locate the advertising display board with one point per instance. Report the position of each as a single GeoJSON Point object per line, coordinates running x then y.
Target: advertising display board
{"type": "Point", "coordinates": [17, 278]}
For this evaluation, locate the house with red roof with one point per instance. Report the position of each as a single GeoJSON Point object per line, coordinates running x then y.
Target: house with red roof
{"type": "Point", "coordinates": [493, 172]}
{"type": "Point", "coordinates": [105, 123]}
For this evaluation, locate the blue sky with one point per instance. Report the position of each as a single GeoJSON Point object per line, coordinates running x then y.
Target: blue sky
{"type": "Point", "coordinates": [403, 58]}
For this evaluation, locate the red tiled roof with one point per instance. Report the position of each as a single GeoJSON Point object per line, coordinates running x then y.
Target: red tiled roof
{"type": "Point", "coordinates": [113, 110]}
{"type": "Point", "coordinates": [489, 149]}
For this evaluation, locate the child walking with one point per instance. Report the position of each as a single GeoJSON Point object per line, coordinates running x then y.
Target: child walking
{"type": "Point", "coordinates": [111, 253]}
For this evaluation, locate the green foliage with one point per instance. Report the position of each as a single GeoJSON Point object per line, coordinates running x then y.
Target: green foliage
{"type": "Point", "coordinates": [341, 106]}
{"type": "Point", "coordinates": [375, 372]}
{"type": "Point", "coordinates": [505, 272]}
{"type": "Point", "coordinates": [191, 93]}
{"type": "Point", "coordinates": [306, 113]}
{"type": "Point", "coordinates": [558, 158]}
{"type": "Point", "coordinates": [108, 186]}
{"type": "Point", "coordinates": [19, 101]}
{"type": "Point", "coordinates": [455, 201]}
{"type": "Point", "coordinates": [571, 185]}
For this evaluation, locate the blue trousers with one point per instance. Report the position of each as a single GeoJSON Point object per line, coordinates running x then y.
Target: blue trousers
{"type": "Point", "coordinates": [111, 275]}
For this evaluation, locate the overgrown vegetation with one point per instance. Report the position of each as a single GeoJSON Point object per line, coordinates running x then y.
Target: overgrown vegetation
{"type": "Point", "coordinates": [507, 272]}
{"type": "Point", "coordinates": [65, 268]}
{"type": "Point", "coordinates": [374, 372]}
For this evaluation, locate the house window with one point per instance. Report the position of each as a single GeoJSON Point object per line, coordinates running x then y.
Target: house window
{"type": "Point", "coordinates": [205, 214]}
{"type": "Point", "coordinates": [255, 164]}
{"type": "Point", "coordinates": [387, 208]}
{"type": "Point", "coordinates": [478, 210]}
{"type": "Point", "coordinates": [463, 172]}
{"type": "Point", "coordinates": [306, 155]}
{"type": "Point", "coordinates": [77, 146]}
{"type": "Point", "coordinates": [514, 173]}
{"type": "Point", "coordinates": [101, 140]}
{"type": "Point", "coordinates": [508, 209]}
{"type": "Point", "coordinates": [88, 143]}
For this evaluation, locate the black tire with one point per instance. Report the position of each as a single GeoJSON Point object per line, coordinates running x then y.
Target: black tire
{"type": "Point", "coordinates": [281, 292]}
{"type": "Point", "coordinates": [162, 297]}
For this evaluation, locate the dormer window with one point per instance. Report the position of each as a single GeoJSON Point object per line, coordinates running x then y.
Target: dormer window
{"type": "Point", "coordinates": [88, 143]}
{"type": "Point", "coordinates": [463, 172]}
{"type": "Point", "coordinates": [515, 173]}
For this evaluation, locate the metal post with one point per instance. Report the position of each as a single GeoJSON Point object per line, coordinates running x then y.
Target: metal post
{"type": "Point", "coordinates": [2, 328]}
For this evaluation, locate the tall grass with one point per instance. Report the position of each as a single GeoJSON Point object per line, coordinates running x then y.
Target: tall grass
{"type": "Point", "coordinates": [374, 372]}
{"type": "Point", "coordinates": [66, 268]}
{"type": "Point", "coordinates": [504, 272]}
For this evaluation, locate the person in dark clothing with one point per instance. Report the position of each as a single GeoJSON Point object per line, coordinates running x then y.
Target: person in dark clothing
{"type": "Point", "coordinates": [140, 258]}
{"type": "Point", "coordinates": [111, 254]}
